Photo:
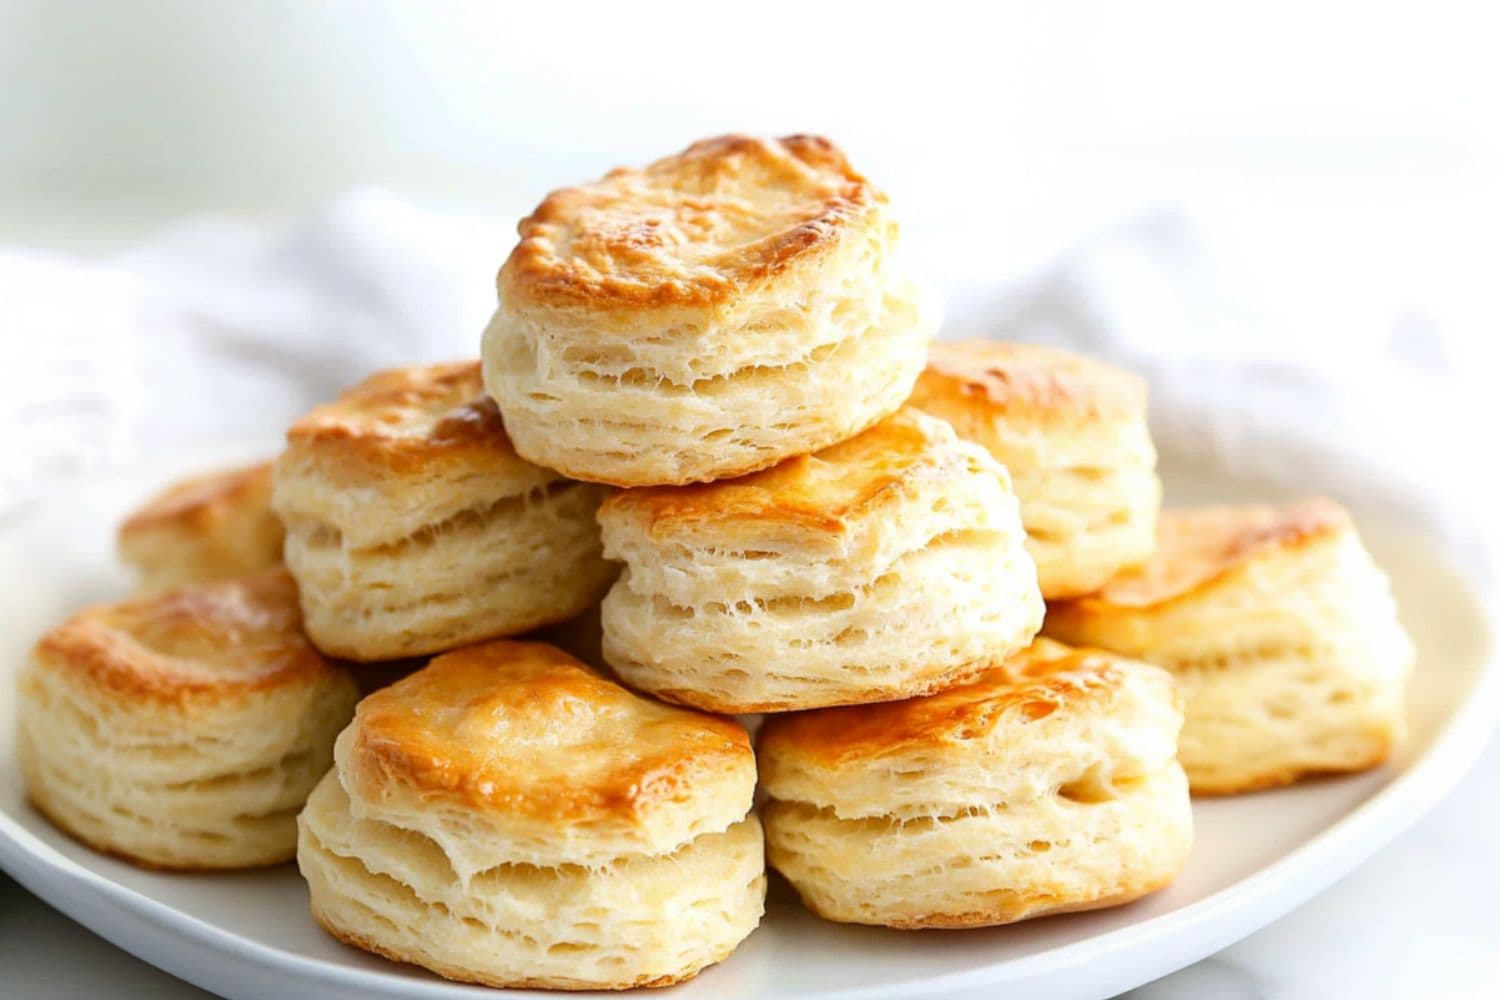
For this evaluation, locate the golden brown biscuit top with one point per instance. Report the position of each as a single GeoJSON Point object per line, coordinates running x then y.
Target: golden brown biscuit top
{"type": "Point", "coordinates": [406, 417]}
{"type": "Point", "coordinates": [524, 728]}
{"type": "Point", "coordinates": [823, 492]}
{"type": "Point", "coordinates": [1198, 545]}
{"type": "Point", "coordinates": [694, 229]}
{"type": "Point", "coordinates": [1027, 380]}
{"type": "Point", "coordinates": [1044, 678]}
{"type": "Point", "coordinates": [201, 501]}
{"type": "Point", "coordinates": [213, 638]}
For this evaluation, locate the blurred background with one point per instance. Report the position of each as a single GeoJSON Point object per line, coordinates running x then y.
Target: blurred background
{"type": "Point", "coordinates": [1362, 131]}
{"type": "Point", "coordinates": [254, 203]}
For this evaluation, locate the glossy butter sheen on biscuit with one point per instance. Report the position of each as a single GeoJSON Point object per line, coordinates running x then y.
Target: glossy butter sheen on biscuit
{"type": "Point", "coordinates": [702, 228]}
{"type": "Point", "coordinates": [1041, 680]}
{"type": "Point", "coordinates": [412, 419]}
{"type": "Point", "coordinates": [1202, 546]}
{"type": "Point", "coordinates": [1045, 784]}
{"type": "Point", "coordinates": [547, 750]}
{"type": "Point", "coordinates": [824, 495]}
{"type": "Point", "coordinates": [508, 816]}
{"type": "Point", "coordinates": [1072, 431]}
{"type": "Point", "coordinates": [705, 316]}
{"type": "Point", "coordinates": [982, 741]}
{"type": "Point", "coordinates": [230, 637]}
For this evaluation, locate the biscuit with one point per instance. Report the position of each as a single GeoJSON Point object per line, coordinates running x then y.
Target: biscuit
{"type": "Point", "coordinates": [889, 565]}
{"type": "Point", "coordinates": [1280, 631]}
{"type": "Point", "coordinates": [182, 730]}
{"type": "Point", "coordinates": [704, 317]}
{"type": "Point", "coordinates": [414, 527]}
{"type": "Point", "coordinates": [209, 527]}
{"type": "Point", "coordinates": [1046, 784]}
{"type": "Point", "coordinates": [1072, 431]}
{"type": "Point", "coordinates": [507, 816]}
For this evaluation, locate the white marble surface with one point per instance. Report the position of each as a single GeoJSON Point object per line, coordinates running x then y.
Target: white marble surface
{"type": "Point", "coordinates": [1418, 920]}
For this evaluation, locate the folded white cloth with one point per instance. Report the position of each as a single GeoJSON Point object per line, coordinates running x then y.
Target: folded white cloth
{"type": "Point", "coordinates": [220, 332]}
{"type": "Point", "coordinates": [1350, 411]}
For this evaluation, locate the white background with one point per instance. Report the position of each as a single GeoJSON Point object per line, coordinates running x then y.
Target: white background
{"type": "Point", "coordinates": [1361, 137]}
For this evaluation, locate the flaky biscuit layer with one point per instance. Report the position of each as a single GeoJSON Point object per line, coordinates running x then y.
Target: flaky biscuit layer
{"type": "Point", "coordinates": [182, 730]}
{"type": "Point", "coordinates": [1282, 635]}
{"type": "Point", "coordinates": [414, 527]}
{"type": "Point", "coordinates": [1072, 431]}
{"type": "Point", "coordinates": [508, 816]}
{"type": "Point", "coordinates": [1048, 783]}
{"type": "Point", "coordinates": [209, 527]}
{"type": "Point", "coordinates": [889, 565]}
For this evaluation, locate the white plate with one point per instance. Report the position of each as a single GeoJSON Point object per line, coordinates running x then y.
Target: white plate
{"type": "Point", "coordinates": [1256, 856]}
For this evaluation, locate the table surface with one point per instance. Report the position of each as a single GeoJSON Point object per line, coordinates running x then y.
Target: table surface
{"type": "Point", "coordinates": [1417, 920]}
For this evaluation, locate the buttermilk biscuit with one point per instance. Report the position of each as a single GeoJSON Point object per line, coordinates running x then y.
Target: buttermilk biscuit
{"type": "Point", "coordinates": [704, 317]}
{"type": "Point", "coordinates": [182, 730]}
{"type": "Point", "coordinates": [889, 565]}
{"type": "Point", "coordinates": [506, 816]}
{"type": "Point", "coordinates": [1281, 633]}
{"type": "Point", "coordinates": [1072, 431]}
{"type": "Point", "coordinates": [414, 527]}
{"type": "Point", "coordinates": [1046, 784]}
{"type": "Point", "coordinates": [210, 527]}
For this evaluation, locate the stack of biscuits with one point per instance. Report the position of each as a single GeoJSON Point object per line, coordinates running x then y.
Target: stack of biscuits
{"type": "Point", "coordinates": [710, 450]}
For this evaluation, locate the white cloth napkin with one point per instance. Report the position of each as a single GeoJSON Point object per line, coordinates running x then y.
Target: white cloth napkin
{"type": "Point", "coordinates": [1381, 413]}
{"type": "Point", "coordinates": [219, 332]}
